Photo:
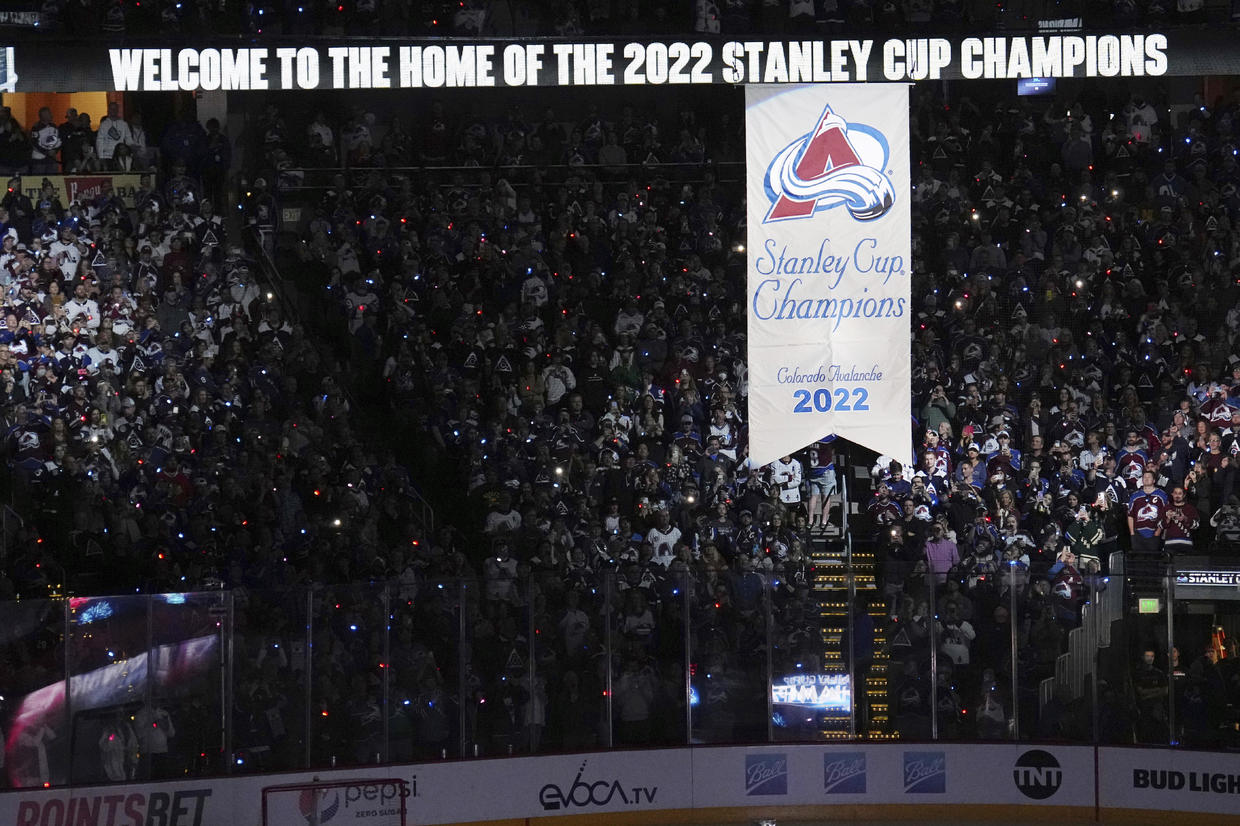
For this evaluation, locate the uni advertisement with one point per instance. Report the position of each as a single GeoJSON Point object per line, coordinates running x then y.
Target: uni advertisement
{"type": "Point", "coordinates": [828, 267]}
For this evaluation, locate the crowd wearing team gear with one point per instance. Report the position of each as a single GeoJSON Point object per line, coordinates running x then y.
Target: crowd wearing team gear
{"type": "Point", "coordinates": [552, 328]}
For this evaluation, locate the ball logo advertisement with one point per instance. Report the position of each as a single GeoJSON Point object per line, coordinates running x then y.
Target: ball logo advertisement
{"type": "Point", "coordinates": [829, 267]}
{"type": "Point", "coordinates": [925, 772]}
{"type": "Point", "coordinates": [766, 774]}
{"type": "Point", "coordinates": [843, 772]}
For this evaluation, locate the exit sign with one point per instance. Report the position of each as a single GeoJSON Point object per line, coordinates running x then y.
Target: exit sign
{"type": "Point", "coordinates": [1147, 605]}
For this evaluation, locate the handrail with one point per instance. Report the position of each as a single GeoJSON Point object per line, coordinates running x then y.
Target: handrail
{"type": "Point", "coordinates": [1080, 661]}
{"type": "Point", "coordinates": [4, 528]}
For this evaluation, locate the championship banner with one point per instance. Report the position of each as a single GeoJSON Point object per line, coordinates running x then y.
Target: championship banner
{"type": "Point", "coordinates": [828, 272]}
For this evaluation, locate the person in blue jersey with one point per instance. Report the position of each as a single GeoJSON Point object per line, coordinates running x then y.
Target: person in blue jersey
{"type": "Point", "coordinates": [928, 470]}
{"type": "Point", "coordinates": [900, 487]}
{"type": "Point", "coordinates": [1147, 515]}
{"type": "Point", "coordinates": [1003, 440]}
{"type": "Point", "coordinates": [972, 468]}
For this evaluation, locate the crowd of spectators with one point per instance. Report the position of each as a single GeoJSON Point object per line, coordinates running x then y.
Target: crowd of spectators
{"type": "Point", "coordinates": [1076, 379]}
{"type": "Point", "coordinates": [571, 338]}
{"type": "Point", "coordinates": [567, 18]}
{"type": "Point", "coordinates": [552, 330]}
{"type": "Point", "coordinates": [168, 429]}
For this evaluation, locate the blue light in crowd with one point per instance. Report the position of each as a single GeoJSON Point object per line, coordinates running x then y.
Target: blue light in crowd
{"type": "Point", "coordinates": [693, 696]}
{"type": "Point", "coordinates": [95, 611]}
{"type": "Point", "coordinates": [174, 599]}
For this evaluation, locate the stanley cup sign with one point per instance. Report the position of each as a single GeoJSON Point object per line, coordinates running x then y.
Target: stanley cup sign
{"type": "Point", "coordinates": [829, 267]}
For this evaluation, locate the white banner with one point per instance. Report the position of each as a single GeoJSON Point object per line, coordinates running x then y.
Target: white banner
{"type": "Point", "coordinates": [829, 256]}
{"type": "Point", "coordinates": [939, 779]}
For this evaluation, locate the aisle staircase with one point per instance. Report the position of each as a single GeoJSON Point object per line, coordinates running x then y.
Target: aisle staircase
{"type": "Point", "coordinates": [1075, 668]}
{"type": "Point", "coordinates": [834, 554]}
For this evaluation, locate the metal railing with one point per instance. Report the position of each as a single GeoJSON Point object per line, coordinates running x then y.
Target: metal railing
{"type": "Point", "coordinates": [1076, 668]}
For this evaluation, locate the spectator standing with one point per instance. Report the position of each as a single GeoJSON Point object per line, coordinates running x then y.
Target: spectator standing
{"type": "Point", "coordinates": [1182, 521]}
{"type": "Point", "coordinates": [1147, 513]}
{"type": "Point", "coordinates": [785, 475]}
{"type": "Point", "coordinates": [941, 552]}
{"type": "Point", "coordinates": [113, 131]}
{"type": "Point", "coordinates": [45, 143]}
{"type": "Point", "coordinates": [216, 161]}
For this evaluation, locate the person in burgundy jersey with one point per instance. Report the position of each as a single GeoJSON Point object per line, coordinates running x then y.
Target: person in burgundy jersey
{"type": "Point", "coordinates": [882, 508]}
{"type": "Point", "coordinates": [942, 455]}
{"type": "Point", "coordinates": [1182, 519]}
{"type": "Point", "coordinates": [1147, 514]}
{"type": "Point", "coordinates": [1131, 459]}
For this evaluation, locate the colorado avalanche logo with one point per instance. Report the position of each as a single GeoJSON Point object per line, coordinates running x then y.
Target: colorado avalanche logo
{"type": "Point", "coordinates": [838, 163]}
